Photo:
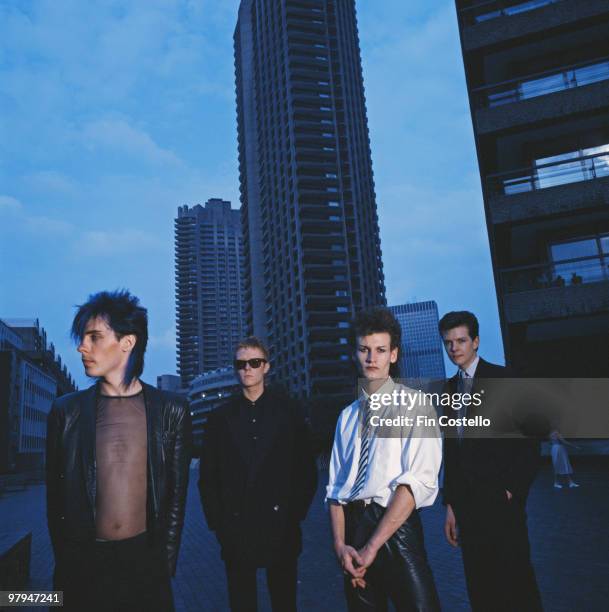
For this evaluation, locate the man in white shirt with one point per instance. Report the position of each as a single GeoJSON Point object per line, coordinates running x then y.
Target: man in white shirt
{"type": "Point", "coordinates": [380, 476]}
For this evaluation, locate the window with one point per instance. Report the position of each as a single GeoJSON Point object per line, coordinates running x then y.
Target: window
{"type": "Point", "coordinates": [587, 260]}
{"type": "Point", "coordinates": [513, 10]}
{"type": "Point", "coordinates": [572, 167]}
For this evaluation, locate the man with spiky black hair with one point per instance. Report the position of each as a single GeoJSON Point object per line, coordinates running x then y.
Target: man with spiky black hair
{"type": "Point", "coordinates": [117, 465]}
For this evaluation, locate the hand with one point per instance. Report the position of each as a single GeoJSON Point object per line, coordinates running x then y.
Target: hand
{"type": "Point", "coordinates": [509, 495]}
{"type": "Point", "coordinates": [367, 555]}
{"type": "Point", "coordinates": [349, 558]}
{"type": "Point", "coordinates": [358, 583]}
{"type": "Point", "coordinates": [450, 527]}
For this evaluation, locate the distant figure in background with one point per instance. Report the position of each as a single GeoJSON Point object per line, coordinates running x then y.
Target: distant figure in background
{"type": "Point", "coordinates": [116, 469]}
{"type": "Point", "coordinates": [560, 460]}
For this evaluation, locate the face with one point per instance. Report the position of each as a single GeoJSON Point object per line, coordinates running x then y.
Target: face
{"type": "Point", "coordinates": [460, 348]}
{"type": "Point", "coordinates": [251, 377]}
{"type": "Point", "coordinates": [103, 354]}
{"type": "Point", "coordinates": [374, 355]}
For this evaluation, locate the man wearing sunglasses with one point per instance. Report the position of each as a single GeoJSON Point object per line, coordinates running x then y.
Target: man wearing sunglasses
{"type": "Point", "coordinates": [257, 480]}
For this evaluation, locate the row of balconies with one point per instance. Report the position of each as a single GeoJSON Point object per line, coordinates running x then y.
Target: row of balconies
{"type": "Point", "coordinates": [557, 188]}
{"type": "Point", "coordinates": [514, 105]}
{"type": "Point", "coordinates": [498, 21]}
{"type": "Point", "coordinates": [557, 302]}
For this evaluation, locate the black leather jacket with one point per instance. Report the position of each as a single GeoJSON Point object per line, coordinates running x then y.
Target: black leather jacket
{"type": "Point", "coordinates": [70, 468]}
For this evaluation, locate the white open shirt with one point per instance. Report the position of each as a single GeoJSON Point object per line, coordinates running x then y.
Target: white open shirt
{"type": "Point", "coordinates": [410, 458]}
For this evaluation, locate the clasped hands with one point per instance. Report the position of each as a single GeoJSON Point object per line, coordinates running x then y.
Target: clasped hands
{"type": "Point", "coordinates": [356, 562]}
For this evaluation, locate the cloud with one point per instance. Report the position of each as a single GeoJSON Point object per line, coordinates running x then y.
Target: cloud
{"type": "Point", "coordinates": [30, 222]}
{"type": "Point", "coordinates": [434, 242]}
{"type": "Point", "coordinates": [87, 243]}
{"type": "Point", "coordinates": [51, 180]}
{"type": "Point", "coordinates": [46, 225]}
{"type": "Point", "coordinates": [9, 204]}
{"type": "Point", "coordinates": [111, 243]}
{"type": "Point", "coordinates": [119, 135]}
{"type": "Point", "coordinates": [167, 339]}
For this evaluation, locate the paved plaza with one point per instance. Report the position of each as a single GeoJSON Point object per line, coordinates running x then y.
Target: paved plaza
{"type": "Point", "coordinates": [568, 528]}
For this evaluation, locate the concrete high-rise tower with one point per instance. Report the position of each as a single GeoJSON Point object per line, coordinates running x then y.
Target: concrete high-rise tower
{"type": "Point", "coordinates": [309, 213]}
{"type": "Point", "coordinates": [538, 81]}
{"type": "Point", "coordinates": [209, 287]}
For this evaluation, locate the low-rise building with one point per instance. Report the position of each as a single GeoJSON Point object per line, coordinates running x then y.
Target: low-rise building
{"type": "Point", "coordinates": [206, 392]}
{"type": "Point", "coordinates": [31, 377]}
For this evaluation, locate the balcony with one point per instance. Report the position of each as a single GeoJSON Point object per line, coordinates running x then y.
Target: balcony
{"type": "Point", "coordinates": [554, 201]}
{"type": "Point", "coordinates": [494, 9]}
{"type": "Point", "coordinates": [561, 184]}
{"type": "Point", "coordinates": [497, 21]}
{"type": "Point", "coordinates": [542, 97]}
{"type": "Point", "coordinates": [556, 290]}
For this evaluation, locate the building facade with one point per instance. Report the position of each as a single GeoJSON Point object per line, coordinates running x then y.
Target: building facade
{"type": "Point", "coordinates": [37, 348]}
{"type": "Point", "coordinates": [307, 193]}
{"type": "Point", "coordinates": [421, 353]}
{"type": "Point", "coordinates": [209, 287]}
{"type": "Point", "coordinates": [169, 382]}
{"type": "Point", "coordinates": [206, 392]}
{"type": "Point", "coordinates": [538, 80]}
{"type": "Point", "coordinates": [31, 377]}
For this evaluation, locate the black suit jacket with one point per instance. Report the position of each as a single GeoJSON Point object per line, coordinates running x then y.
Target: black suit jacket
{"type": "Point", "coordinates": [71, 476]}
{"type": "Point", "coordinates": [478, 470]}
{"type": "Point", "coordinates": [255, 507]}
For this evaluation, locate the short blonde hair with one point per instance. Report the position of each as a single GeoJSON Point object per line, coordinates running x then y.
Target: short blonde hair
{"type": "Point", "coordinates": [253, 342]}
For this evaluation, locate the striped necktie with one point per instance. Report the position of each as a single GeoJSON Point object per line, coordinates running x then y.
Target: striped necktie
{"type": "Point", "coordinates": [362, 466]}
{"type": "Point", "coordinates": [464, 385]}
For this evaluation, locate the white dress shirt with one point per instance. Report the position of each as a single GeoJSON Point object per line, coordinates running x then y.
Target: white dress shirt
{"type": "Point", "coordinates": [410, 457]}
{"type": "Point", "coordinates": [471, 369]}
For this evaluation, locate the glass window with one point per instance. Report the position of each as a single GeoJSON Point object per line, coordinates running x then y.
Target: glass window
{"type": "Point", "coordinates": [517, 185]}
{"type": "Point", "coordinates": [544, 85]}
{"type": "Point", "coordinates": [573, 250]}
{"type": "Point", "coordinates": [526, 6]}
{"type": "Point", "coordinates": [561, 173]}
{"type": "Point", "coordinates": [599, 165]}
{"type": "Point", "coordinates": [577, 272]}
{"type": "Point", "coordinates": [592, 73]}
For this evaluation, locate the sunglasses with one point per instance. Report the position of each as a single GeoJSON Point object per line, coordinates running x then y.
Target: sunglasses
{"type": "Point", "coordinates": [253, 363]}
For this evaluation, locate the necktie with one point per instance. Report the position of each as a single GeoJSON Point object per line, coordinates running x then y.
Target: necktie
{"type": "Point", "coordinates": [464, 385]}
{"type": "Point", "coordinates": [362, 466]}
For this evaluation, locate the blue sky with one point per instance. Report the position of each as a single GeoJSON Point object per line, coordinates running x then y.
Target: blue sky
{"type": "Point", "coordinates": [113, 114]}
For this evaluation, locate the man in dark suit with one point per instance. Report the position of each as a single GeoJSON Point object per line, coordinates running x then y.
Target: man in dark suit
{"type": "Point", "coordinates": [257, 480]}
{"type": "Point", "coordinates": [486, 483]}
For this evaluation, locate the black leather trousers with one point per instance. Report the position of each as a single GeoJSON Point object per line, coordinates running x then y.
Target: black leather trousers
{"type": "Point", "coordinates": [400, 572]}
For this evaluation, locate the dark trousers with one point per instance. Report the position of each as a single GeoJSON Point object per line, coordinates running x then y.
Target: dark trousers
{"type": "Point", "coordinates": [496, 556]}
{"type": "Point", "coordinates": [400, 572]}
{"type": "Point", "coordinates": [115, 576]}
{"type": "Point", "coordinates": [280, 579]}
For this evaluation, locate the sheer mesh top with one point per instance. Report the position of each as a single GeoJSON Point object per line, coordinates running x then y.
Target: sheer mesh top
{"type": "Point", "coordinates": [121, 450]}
